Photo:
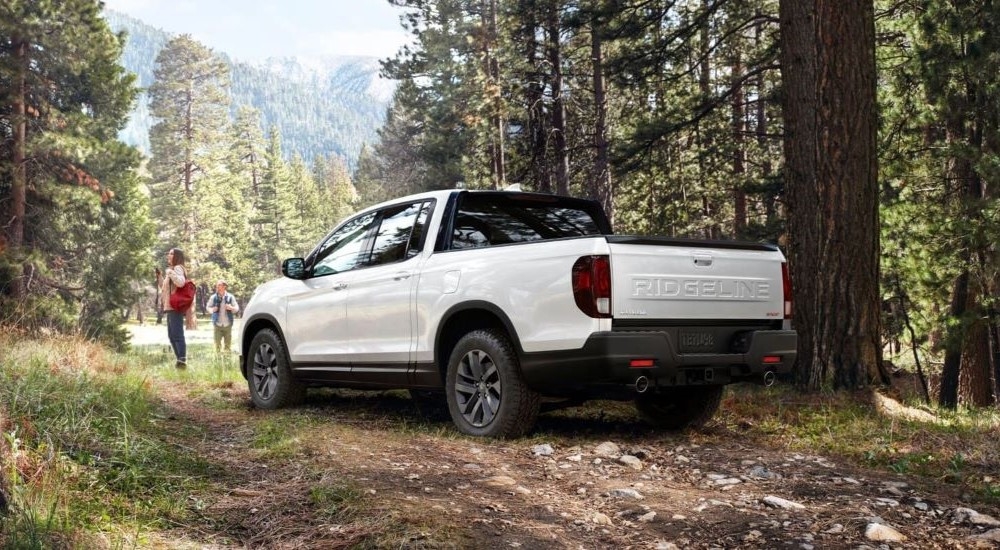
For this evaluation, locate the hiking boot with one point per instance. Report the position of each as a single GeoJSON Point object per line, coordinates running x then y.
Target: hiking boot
{"type": "Point", "coordinates": [181, 364]}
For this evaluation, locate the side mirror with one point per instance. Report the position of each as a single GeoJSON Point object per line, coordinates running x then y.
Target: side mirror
{"type": "Point", "coordinates": [294, 268]}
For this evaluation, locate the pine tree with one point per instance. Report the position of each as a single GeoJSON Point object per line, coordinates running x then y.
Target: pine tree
{"type": "Point", "coordinates": [941, 117]}
{"type": "Point", "coordinates": [68, 210]}
{"type": "Point", "coordinates": [370, 179]}
{"type": "Point", "coordinates": [190, 100]}
{"type": "Point", "coordinates": [334, 180]}
{"type": "Point", "coordinates": [274, 208]}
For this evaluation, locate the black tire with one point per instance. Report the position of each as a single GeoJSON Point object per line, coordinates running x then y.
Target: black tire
{"type": "Point", "coordinates": [269, 375]}
{"type": "Point", "coordinates": [679, 408]}
{"type": "Point", "coordinates": [487, 396]}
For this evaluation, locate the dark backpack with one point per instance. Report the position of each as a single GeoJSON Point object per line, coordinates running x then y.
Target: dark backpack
{"type": "Point", "coordinates": [181, 299]}
{"type": "Point", "coordinates": [214, 301]}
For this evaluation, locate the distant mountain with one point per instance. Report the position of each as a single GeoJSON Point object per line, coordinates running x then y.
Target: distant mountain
{"type": "Point", "coordinates": [321, 106]}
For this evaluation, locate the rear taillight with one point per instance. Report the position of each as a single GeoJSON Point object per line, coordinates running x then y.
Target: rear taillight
{"type": "Point", "coordinates": [786, 289]}
{"type": "Point", "coordinates": [592, 285]}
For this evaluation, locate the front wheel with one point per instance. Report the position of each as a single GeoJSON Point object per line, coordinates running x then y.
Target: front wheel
{"type": "Point", "coordinates": [270, 377]}
{"type": "Point", "coordinates": [486, 395]}
{"type": "Point", "coordinates": [681, 407]}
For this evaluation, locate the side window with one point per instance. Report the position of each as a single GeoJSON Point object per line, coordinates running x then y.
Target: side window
{"type": "Point", "coordinates": [342, 251]}
{"type": "Point", "coordinates": [394, 233]}
{"type": "Point", "coordinates": [417, 238]}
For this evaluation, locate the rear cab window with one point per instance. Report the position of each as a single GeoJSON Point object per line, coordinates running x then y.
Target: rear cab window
{"type": "Point", "coordinates": [485, 219]}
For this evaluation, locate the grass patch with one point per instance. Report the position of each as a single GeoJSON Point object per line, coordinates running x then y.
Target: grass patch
{"type": "Point", "coordinates": [91, 457]}
{"type": "Point", "coordinates": [957, 447]}
{"type": "Point", "coordinates": [80, 450]}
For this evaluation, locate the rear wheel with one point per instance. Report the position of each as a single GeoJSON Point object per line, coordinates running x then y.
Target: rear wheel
{"type": "Point", "coordinates": [270, 377]}
{"type": "Point", "coordinates": [486, 395]}
{"type": "Point", "coordinates": [682, 407]}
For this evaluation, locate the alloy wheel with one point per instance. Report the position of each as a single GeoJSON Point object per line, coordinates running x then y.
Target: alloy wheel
{"type": "Point", "coordinates": [477, 389]}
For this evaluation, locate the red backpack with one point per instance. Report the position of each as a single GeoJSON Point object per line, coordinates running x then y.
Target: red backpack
{"type": "Point", "coordinates": [181, 299]}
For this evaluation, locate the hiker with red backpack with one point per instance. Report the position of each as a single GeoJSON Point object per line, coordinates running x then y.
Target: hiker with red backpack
{"type": "Point", "coordinates": [178, 303]}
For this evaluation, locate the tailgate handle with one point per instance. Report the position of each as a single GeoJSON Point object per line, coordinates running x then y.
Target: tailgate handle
{"type": "Point", "coordinates": [702, 261]}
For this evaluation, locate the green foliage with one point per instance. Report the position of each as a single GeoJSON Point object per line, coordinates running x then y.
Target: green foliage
{"type": "Point", "coordinates": [940, 110]}
{"type": "Point", "coordinates": [190, 101]}
{"type": "Point", "coordinates": [672, 69]}
{"type": "Point", "coordinates": [221, 190]}
{"type": "Point", "coordinates": [80, 447]}
{"type": "Point", "coordinates": [84, 213]}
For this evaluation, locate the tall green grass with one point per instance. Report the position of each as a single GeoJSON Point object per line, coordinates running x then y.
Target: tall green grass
{"type": "Point", "coordinates": [81, 455]}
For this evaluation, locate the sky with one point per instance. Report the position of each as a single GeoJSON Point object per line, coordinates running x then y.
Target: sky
{"type": "Point", "coordinates": [253, 30]}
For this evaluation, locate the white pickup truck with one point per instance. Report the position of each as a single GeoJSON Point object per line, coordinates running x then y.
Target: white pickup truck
{"type": "Point", "coordinates": [495, 301]}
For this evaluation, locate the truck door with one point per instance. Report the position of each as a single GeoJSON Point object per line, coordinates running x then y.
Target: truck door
{"type": "Point", "coordinates": [316, 323]}
{"type": "Point", "coordinates": [380, 300]}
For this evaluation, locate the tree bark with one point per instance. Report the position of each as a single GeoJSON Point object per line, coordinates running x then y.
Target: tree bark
{"type": "Point", "coordinates": [739, 152]}
{"type": "Point", "coordinates": [561, 152]}
{"type": "Point", "coordinates": [828, 68]}
{"type": "Point", "coordinates": [948, 396]}
{"type": "Point", "coordinates": [975, 382]}
{"type": "Point", "coordinates": [601, 181]}
{"type": "Point", "coordinates": [497, 144]}
{"type": "Point", "coordinates": [540, 173]}
{"type": "Point", "coordinates": [19, 179]}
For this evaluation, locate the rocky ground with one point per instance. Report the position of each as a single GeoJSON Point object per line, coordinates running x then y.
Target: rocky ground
{"type": "Point", "coordinates": [579, 482]}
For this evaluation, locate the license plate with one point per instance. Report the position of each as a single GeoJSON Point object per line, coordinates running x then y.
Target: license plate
{"type": "Point", "coordinates": [696, 342]}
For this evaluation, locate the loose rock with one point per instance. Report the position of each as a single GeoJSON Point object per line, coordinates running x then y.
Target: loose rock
{"type": "Point", "coordinates": [778, 502]}
{"type": "Point", "coordinates": [542, 450]}
{"type": "Point", "coordinates": [608, 450]}
{"type": "Point", "coordinates": [883, 533]}
{"type": "Point", "coordinates": [968, 515]}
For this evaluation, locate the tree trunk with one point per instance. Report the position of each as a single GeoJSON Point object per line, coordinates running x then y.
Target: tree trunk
{"type": "Point", "coordinates": [13, 222]}
{"type": "Point", "coordinates": [558, 102]}
{"type": "Point", "coordinates": [948, 396]}
{"type": "Point", "coordinates": [770, 200]}
{"type": "Point", "coordinates": [540, 173]}
{"type": "Point", "coordinates": [828, 68]}
{"type": "Point", "coordinates": [971, 193]}
{"type": "Point", "coordinates": [19, 178]}
{"type": "Point", "coordinates": [601, 181]}
{"type": "Point", "coordinates": [497, 145]}
{"type": "Point", "coordinates": [704, 138]}
{"type": "Point", "coordinates": [739, 152]}
{"type": "Point", "coordinates": [975, 381]}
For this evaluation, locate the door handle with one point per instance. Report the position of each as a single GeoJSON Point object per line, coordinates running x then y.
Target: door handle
{"type": "Point", "coordinates": [340, 286]}
{"type": "Point", "coordinates": [401, 276]}
{"type": "Point", "coordinates": [703, 261]}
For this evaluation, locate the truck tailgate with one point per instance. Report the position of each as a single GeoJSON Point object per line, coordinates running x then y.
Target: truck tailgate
{"type": "Point", "coordinates": [664, 278]}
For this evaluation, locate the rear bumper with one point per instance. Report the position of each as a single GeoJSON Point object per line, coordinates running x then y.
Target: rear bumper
{"type": "Point", "coordinates": [605, 363]}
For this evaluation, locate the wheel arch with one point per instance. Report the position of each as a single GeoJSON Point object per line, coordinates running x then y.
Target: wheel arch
{"type": "Point", "coordinates": [251, 327]}
{"type": "Point", "coordinates": [463, 318]}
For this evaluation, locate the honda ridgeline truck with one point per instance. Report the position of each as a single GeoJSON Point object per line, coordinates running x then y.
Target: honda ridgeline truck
{"type": "Point", "coordinates": [493, 302]}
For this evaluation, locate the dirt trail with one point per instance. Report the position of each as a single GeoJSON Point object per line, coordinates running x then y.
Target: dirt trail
{"type": "Point", "coordinates": [580, 482]}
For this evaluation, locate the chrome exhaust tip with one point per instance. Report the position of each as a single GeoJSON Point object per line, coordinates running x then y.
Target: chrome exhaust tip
{"type": "Point", "coordinates": [641, 384]}
{"type": "Point", "coordinates": [768, 379]}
